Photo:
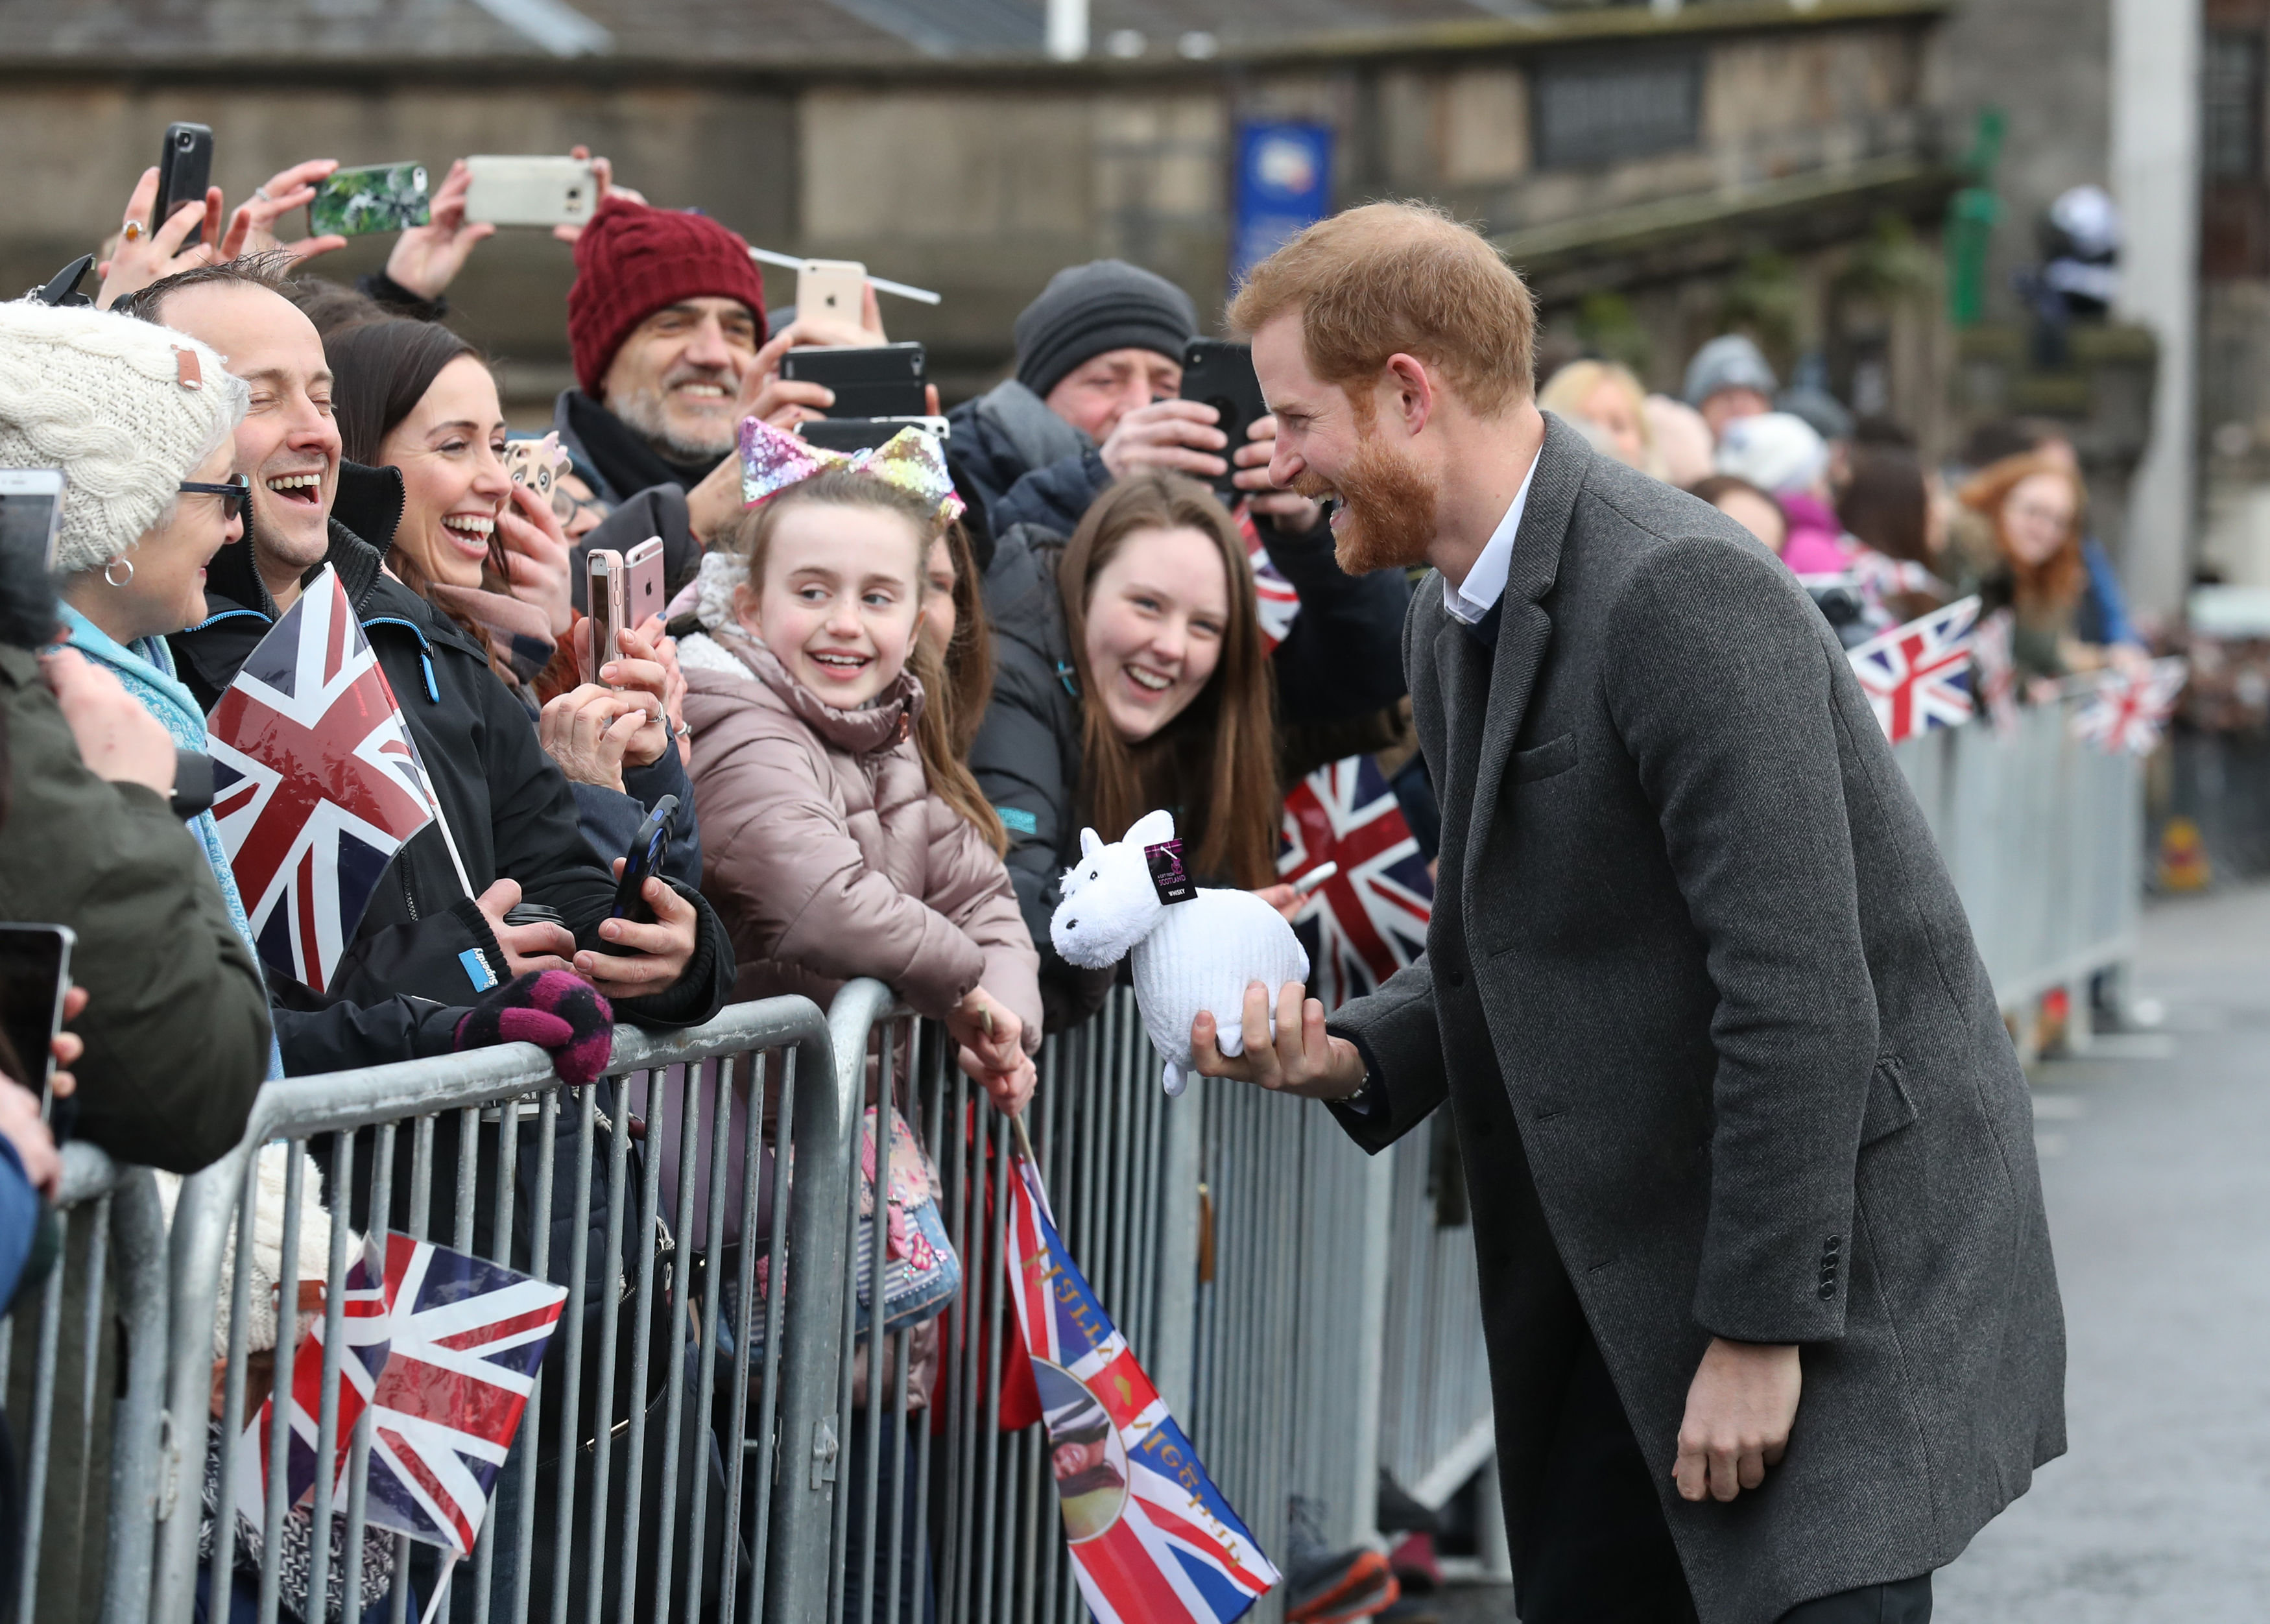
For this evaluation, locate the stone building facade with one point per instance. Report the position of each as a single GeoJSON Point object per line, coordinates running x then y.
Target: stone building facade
{"type": "Point", "coordinates": [1660, 172]}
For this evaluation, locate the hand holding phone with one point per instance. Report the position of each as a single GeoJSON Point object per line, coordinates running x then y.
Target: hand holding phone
{"type": "Point", "coordinates": [1221, 375]}
{"type": "Point", "coordinates": [184, 173]}
{"type": "Point", "coordinates": [650, 849]}
{"type": "Point", "coordinates": [34, 977]}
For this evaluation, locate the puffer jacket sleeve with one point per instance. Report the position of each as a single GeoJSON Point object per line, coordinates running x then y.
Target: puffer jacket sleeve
{"type": "Point", "coordinates": [969, 885]}
{"type": "Point", "coordinates": [779, 858]}
{"type": "Point", "coordinates": [176, 1024]}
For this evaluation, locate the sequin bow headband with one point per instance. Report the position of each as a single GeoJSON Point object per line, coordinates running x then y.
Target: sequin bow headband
{"type": "Point", "coordinates": [772, 460]}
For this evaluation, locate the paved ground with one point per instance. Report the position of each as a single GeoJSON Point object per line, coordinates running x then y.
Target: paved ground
{"type": "Point", "coordinates": [2155, 1159]}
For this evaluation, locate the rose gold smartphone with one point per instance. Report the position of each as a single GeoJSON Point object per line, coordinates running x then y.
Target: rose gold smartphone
{"type": "Point", "coordinates": [642, 582]}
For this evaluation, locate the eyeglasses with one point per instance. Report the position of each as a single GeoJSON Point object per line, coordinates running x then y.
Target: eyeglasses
{"type": "Point", "coordinates": [233, 494]}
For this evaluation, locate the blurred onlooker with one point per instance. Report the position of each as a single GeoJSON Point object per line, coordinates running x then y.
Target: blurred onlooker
{"type": "Point", "coordinates": [1781, 454]}
{"type": "Point", "coordinates": [1729, 380]}
{"type": "Point", "coordinates": [439, 930]}
{"type": "Point", "coordinates": [178, 1039]}
{"type": "Point", "coordinates": [1888, 505]}
{"type": "Point", "coordinates": [1130, 675]}
{"type": "Point", "coordinates": [1608, 396]}
{"type": "Point", "coordinates": [1753, 510]}
{"type": "Point", "coordinates": [2102, 617]}
{"type": "Point", "coordinates": [1683, 441]}
{"type": "Point", "coordinates": [1826, 415]}
{"type": "Point", "coordinates": [416, 397]}
{"type": "Point", "coordinates": [2034, 505]}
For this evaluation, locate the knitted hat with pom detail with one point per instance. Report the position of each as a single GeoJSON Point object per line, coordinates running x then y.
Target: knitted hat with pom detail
{"type": "Point", "coordinates": [127, 410]}
{"type": "Point", "coordinates": [632, 261]}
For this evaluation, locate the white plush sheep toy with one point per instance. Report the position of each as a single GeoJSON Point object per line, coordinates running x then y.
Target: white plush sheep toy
{"type": "Point", "coordinates": [1194, 950]}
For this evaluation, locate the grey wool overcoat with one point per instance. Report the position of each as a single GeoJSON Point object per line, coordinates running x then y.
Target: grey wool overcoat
{"type": "Point", "coordinates": [1697, 978]}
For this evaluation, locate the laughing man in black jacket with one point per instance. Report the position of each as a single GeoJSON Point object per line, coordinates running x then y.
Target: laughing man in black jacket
{"type": "Point", "coordinates": [510, 811]}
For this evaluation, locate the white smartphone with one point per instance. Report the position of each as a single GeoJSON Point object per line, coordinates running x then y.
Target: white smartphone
{"type": "Point", "coordinates": [604, 576]}
{"type": "Point", "coordinates": [833, 287]}
{"type": "Point", "coordinates": [531, 191]}
{"type": "Point", "coordinates": [32, 510]}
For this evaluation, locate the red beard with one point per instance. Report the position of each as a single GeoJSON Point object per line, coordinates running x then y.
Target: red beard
{"type": "Point", "coordinates": [1389, 511]}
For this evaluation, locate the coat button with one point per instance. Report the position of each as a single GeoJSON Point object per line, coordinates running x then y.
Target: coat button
{"type": "Point", "coordinates": [1456, 977]}
{"type": "Point", "coordinates": [1828, 1290]}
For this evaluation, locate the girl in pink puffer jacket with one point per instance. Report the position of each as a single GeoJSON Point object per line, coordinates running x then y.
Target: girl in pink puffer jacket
{"type": "Point", "coordinates": [828, 849]}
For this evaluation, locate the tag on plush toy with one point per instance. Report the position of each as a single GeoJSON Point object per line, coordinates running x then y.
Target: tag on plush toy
{"type": "Point", "coordinates": [1165, 861]}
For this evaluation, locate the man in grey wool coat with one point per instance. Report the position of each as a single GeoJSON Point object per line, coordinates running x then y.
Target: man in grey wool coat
{"type": "Point", "coordinates": [1773, 1326]}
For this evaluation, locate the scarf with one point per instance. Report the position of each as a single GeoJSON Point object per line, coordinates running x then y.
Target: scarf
{"type": "Point", "coordinates": [622, 458]}
{"type": "Point", "coordinates": [146, 669]}
{"type": "Point", "coordinates": [518, 634]}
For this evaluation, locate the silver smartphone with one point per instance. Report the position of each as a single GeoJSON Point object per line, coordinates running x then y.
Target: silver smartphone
{"type": "Point", "coordinates": [531, 191]}
{"type": "Point", "coordinates": [32, 510]}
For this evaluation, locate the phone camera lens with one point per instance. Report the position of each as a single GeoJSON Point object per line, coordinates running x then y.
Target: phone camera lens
{"type": "Point", "coordinates": [185, 140]}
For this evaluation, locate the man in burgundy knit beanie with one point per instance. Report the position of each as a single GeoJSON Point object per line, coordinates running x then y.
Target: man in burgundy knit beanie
{"type": "Point", "coordinates": [664, 318]}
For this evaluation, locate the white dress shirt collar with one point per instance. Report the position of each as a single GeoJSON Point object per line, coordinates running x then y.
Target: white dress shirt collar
{"type": "Point", "coordinates": [1485, 582]}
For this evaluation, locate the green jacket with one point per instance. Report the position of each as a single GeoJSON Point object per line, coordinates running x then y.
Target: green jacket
{"type": "Point", "coordinates": [176, 1022]}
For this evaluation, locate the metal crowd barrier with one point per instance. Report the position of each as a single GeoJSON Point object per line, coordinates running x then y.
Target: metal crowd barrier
{"type": "Point", "coordinates": [89, 1490]}
{"type": "Point", "coordinates": [2044, 833]}
{"type": "Point", "coordinates": [727, 1428]}
{"type": "Point", "coordinates": [738, 1506]}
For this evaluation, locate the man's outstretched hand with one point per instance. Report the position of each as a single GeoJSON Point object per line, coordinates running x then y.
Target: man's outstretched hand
{"type": "Point", "coordinates": [1293, 1055]}
{"type": "Point", "coordinates": [1739, 1409]}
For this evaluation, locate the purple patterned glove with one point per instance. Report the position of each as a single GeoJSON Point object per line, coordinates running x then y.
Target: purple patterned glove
{"type": "Point", "coordinates": [558, 1012]}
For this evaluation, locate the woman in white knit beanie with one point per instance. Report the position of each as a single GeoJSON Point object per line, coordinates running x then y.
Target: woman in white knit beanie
{"type": "Point", "coordinates": [142, 422]}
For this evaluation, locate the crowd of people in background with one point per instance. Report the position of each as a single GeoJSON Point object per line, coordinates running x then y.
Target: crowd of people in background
{"type": "Point", "coordinates": [885, 707]}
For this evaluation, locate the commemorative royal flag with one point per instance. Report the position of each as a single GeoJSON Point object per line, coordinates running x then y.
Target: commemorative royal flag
{"type": "Point", "coordinates": [1370, 919]}
{"type": "Point", "coordinates": [441, 1354]}
{"type": "Point", "coordinates": [315, 783]}
{"type": "Point", "coordinates": [1916, 676]}
{"type": "Point", "coordinates": [2130, 708]}
{"type": "Point", "coordinates": [1279, 605]}
{"type": "Point", "coordinates": [1153, 1541]}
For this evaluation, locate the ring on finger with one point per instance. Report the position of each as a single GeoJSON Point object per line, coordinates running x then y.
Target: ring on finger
{"type": "Point", "coordinates": [261, 192]}
{"type": "Point", "coordinates": [130, 232]}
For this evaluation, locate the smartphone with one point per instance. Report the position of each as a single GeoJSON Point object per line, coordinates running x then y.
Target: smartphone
{"type": "Point", "coordinates": [1220, 374]}
{"type": "Point", "coordinates": [32, 511]}
{"type": "Point", "coordinates": [184, 171]}
{"type": "Point", "coordinates": [836, 287]}
{"type": "Point", "coordinates": [537, 465]}
{"type": "Point", "coordinates": [604, 573]}
{"type": "Point", "coordinates": [34, 974]}
{"type": "Point", "coordinates": [531, 191]}
{"type": "Point", "coordinates": [642, 593]}
{"type": "Point", "coordinates": [650, 849]}
{"type": "Point", "coordinates": [865, 433]}
{"type": "Point", "coordinates": [880, 381]}
{"type": "Point", "coordinates": [354, 203]}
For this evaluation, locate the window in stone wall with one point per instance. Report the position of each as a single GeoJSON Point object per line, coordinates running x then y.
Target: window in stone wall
{"type": "Point", "coordinates": [1594, 108]}
{"type": "Point", "coordinates": [2231, 141]}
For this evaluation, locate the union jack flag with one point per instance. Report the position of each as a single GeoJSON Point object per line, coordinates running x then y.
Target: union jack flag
{"type": "Point", "coordinates": [1153, 1541]}
{"type": "Point", "coordinates": [1369, 920]}
{"type": "Point", "coordinates": [1914, 675]}
{"type": "Point", "coordinates": [2126, 713]}
{"type": "Point", "coordinates": [446, 1351]}
{"type": "Point", "coordinates": [363, 1349]}
{"type": "Point", "coordinates": [1278, 603]}
{"type": "Point", "coordinates": [316, 784]}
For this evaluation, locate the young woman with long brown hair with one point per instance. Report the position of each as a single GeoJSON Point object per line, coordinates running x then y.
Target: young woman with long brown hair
{"type": "Point", "coordinates": [1130, 674]}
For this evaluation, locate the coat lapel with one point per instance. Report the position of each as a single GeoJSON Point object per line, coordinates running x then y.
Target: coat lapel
{"type": "Point", "coordinates": [1525, 628]}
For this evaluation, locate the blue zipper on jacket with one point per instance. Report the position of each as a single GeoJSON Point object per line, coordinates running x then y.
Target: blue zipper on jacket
{"type": "Point", "coordinates": [425, 649]}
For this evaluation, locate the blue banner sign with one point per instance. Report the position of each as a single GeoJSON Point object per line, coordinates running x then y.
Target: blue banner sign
{"type": "Point", "coordinates": [1284, 182]}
